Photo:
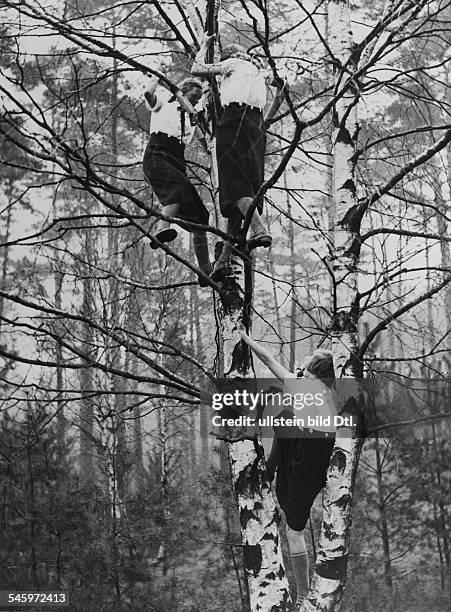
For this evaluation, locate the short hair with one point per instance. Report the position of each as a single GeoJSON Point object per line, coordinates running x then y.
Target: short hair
{"type": "Point", "coordinates": [321, 364]}
{"type": "Point", "coordinates": [233, 50]}
{"type": "Point", "coordinates": [188, 84]}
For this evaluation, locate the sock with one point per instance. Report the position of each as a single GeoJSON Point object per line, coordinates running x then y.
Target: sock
{"type": "Point", "coordinates": [301, 577]}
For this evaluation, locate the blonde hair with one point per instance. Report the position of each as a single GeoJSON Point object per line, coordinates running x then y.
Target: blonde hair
{"type": "Point", "coordinates": [321, 364]}
{"type": "Point", "coordinates": [238, 51]}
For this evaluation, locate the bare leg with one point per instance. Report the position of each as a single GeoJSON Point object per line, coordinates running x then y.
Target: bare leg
{"type": "Point", "coordinates": [300, 562]}
{"type": "Point", "coordinates": [258, 235]}
{"type": "Point", "coordinates": [164, 232]}
{"type": "Point", "coordinates": [200, 244]}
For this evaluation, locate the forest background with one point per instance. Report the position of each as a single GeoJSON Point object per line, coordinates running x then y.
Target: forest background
{"type": "Point", "coordinates": [112, 487]}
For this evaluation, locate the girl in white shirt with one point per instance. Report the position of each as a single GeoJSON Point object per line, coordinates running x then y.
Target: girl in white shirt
{"type": "Point", "coordinates": [240, 143]}
{"type": "Point", "coordinates": [171, 129]}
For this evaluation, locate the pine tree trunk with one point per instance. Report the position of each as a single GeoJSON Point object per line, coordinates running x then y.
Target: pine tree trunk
{"type": "Point", "coordinates": [86, 420]}
{"type": "Point", "coordinates": [5, 251]}
{"type": "Point", "coordinates": [60, 417]}
{"type": "Point", "coordinates": [134, 262]}
{"type": "Point", "coordinates": [383, 517]}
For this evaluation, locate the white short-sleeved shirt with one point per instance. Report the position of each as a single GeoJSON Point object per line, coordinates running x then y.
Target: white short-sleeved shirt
{"type": "Point", "coordinates": [169, 118]}
{"type": "Point", "coordinates": [243, 82]}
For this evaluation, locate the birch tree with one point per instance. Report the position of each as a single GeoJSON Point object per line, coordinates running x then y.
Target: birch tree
{"type": "Point", "coordinates": [376, 166]}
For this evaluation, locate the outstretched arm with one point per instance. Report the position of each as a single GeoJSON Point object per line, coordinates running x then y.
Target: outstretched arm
{"type": "Point", "coordinates": [199, 67]}
{"type": "Point", "coordinates": [155, 102]}
{"type": "Point", "coordinates": [278, 99]}
{"type": "Point", "coordinates": [276, 368]}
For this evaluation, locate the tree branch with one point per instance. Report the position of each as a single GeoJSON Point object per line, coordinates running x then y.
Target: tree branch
{"type": "Point", "coordinates": [395, 315]}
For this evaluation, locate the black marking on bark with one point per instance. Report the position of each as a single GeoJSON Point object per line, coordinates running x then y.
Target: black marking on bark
{"type": "Point", "coordinates": [284, 605]}
{"type": "Point", "coordinates": [245, 516]}
{"type": "Point", "coordinates": [344, 136]}
{"type": "Point", "coordinates": [333, 569]}
{"type": "Point", "coordinates": [353, 217]}
{"type": "Point", "coordinates": [281, 572]}
{"type": "Point", "coordinates": [248, 481]}
{"type": "Point", "coordinates": [343, 501]}
{"type": "Point", "coordinates": [354, 313]}
{"type": "Point", "coordinates": [343, 323]}
{"type": "Point", "coordinates": [329, 532]}
{"type": "Point", "coordinates": [349, 185]}
{"type": "Point", "coordinates": [269, 536]}
{"type": "Point", "coordinates": [231, 295]}
{"type": "Point", "coordinates": [338, 461]}
{"type": "Point", "coordinates": [252, 558]}
{"type": "Point", "coordinates": [260, 452]}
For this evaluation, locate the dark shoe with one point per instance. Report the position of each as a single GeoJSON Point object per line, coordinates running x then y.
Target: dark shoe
{"type": "Point", "coordinates": [258, 236]}
{"type": "Point", "coordinates": [260, 239]}
{"type": "Point", "coordinates": [225, 267]}
{"type": "Point", "coordinates": [220, 271]}
{"type": "Point", "coordinates": [164, 233]}
{"type": "Point", "coordinates": [227, 262]}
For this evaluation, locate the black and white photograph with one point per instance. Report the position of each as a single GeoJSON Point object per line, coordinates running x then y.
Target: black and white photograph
{"type": "Point", "coordinates": [225, 305]}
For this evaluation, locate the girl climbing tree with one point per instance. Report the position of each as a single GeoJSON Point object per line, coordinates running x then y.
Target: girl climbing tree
{"type": "Point", "coordinates": [172, 127]}
{"type": "Point", "coordinates": [240, 143]}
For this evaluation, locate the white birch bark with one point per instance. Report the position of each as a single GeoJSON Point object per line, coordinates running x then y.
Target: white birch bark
{"type": "Point", "coordinates": [333, 550]}
{"type": "Point", "coordinates": [265, 572]}
{"type": "Point", "coordinates": [263, 562]}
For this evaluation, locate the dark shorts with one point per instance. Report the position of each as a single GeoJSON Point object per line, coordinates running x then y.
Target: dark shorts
{"type": "Point", "coordinates": [164, 167]}
{"type": "Point", "coordinates": [240, 149]}
{"type": "Point", "coordinates": [301, 474]}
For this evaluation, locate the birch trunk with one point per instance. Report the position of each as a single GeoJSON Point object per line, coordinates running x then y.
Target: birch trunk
{"type": "Point", "coordinates": [264, 569]}
{"type": "Point", "coordinates": [333, 550]}
{"type": "Point", "coordinates": [263, 562]}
